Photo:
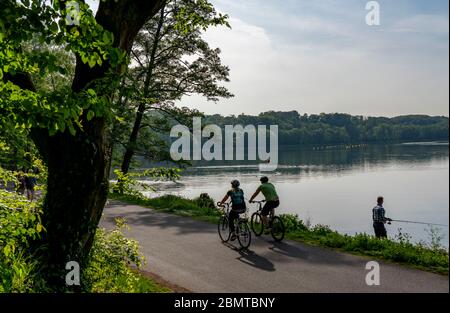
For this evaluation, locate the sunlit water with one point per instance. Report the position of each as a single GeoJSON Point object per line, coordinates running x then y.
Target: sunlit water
{"type": "Point", "coordinates": [338, 187]}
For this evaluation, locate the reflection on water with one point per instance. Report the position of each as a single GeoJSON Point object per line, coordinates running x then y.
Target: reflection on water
{"type": "Point", "coordinates": [338, 187]}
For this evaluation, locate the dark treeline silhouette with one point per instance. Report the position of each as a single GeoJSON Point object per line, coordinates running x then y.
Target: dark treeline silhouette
{"type": "Point", "coordinates": [339, 128]}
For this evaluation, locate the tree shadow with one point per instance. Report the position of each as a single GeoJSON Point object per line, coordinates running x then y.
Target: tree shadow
{"type": "Point", "coordinates": [136, 216]}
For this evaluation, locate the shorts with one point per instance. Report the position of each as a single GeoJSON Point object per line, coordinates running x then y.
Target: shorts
{"type": "Point", "coordinates": [380, 230]}
{"type": "Point", "coordinates": [269, 206]}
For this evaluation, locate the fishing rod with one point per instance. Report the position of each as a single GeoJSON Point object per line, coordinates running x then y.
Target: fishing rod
{"type": "Point", "coordinates": [422, 223]}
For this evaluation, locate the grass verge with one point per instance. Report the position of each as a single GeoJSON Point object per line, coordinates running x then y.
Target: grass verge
{"type": "Point", "coordinates": [401, 250]}
{"type": "Point", "coordinates": [146, 284]}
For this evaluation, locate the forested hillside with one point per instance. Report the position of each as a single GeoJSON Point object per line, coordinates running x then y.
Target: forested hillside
{"type": "Point", "coordinates": [336, 128]}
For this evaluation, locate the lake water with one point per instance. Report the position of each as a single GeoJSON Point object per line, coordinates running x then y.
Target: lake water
{"type": "Point", "coordinates": [339, 186]}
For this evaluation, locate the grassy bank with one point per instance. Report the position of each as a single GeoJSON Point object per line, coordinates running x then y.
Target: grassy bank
{"type": "Point", "coordinates": [401, 250]}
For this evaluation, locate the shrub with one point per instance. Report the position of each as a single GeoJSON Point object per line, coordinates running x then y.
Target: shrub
{"type": "Point", "coordinates": [292, 223]}
{"type": "Point", "coordinates": [205, 201]}
{"type": "Point", "coordinates": [108, 267]}
{"type": "Point", "coordinates": [20, 224]}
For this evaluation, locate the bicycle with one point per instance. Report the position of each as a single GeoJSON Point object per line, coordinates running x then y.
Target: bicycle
{"type": "Point", "coordinates": [276, 225]}
{"type": "Point", "coordinates": [241, 228]}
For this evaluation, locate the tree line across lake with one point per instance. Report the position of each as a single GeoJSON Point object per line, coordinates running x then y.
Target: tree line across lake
{"type": "Point", "coordinates": [340, 128]}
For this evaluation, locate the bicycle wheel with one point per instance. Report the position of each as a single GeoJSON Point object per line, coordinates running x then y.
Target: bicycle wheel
{"type": "Point", "coordinates": [244, 234]}
{"type": "Point", "coordinates": [224, 229]}
{"type": "Point", "coordinates": [257, 224]}
{"type": "Point", "coordinates": [277, 229]}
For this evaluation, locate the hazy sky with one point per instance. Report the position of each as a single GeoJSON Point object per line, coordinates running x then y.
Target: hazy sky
{"type": "Point", "coordinates": [321, 56]}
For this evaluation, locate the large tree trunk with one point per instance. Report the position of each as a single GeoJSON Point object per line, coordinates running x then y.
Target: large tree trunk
{"type": "Point", "coordinates": [77, 188]}
{"type": "Point", "coordinates": [79, 165]}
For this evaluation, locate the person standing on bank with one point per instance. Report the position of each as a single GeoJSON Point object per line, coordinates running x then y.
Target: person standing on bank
{"type": "Point", "coordinates": [379, 219]}
{"type": "Point", "coordinates": [30, 183]}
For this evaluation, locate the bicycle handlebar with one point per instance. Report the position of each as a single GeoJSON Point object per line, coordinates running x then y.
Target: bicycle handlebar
{"type": "Point", "coordinates": [225, 205]}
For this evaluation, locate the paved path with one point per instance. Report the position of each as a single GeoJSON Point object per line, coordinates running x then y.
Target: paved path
{"type": "Point", "coordinates": [189, 253]}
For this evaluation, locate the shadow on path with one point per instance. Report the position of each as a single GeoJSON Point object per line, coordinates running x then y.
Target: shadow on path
{"type": "Point", "coordinates": [151, 218]}
{"type": "Point", "coordinates": [252, 259]}
{"type": "Point", "coordinates": [289, 250]}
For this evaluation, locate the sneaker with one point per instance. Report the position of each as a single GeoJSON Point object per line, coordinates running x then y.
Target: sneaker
{"type": "Point", "coordinates": [233, 237]}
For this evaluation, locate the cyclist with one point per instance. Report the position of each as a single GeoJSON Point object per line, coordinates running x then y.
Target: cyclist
{"type": "Point", "coordinates": [271, 196]}
{"type": "Point", "coordinates": [237, 204]}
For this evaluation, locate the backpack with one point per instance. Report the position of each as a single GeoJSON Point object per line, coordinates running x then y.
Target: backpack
{"type": "Point", "coordinates": [237, 197]}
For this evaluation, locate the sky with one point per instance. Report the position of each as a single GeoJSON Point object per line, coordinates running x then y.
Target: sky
{"type": "Point", "coordinates": [318, 56]}
{"type": "Point", "coordinates": [321, 56]}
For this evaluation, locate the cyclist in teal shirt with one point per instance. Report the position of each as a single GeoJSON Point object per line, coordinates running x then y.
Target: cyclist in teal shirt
{"type": "Point", "coordinates": [237, 204]}
{"type": "Point", "coordinates": [271, 196]}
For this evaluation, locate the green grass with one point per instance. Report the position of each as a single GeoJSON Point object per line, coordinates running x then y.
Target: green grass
{"type": "Point", "coordinates": [401, 251]}
{"type": "Point", "coordinates": [147, 285]}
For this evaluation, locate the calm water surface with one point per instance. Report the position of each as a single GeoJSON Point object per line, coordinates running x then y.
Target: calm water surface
{"type": "Point", "coordinates": [338, 187]}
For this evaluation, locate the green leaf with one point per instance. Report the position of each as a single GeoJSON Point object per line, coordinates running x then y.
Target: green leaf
{"type": "Point", "coordinates": [92, 62]}
{"type": "Point", "coordinates": [61, 125]}
{"type": "Point", "coordinates": [71, 129]}
{"type": "Point", "coordinates": [90, 115]}
{"type": "Point", "coordinates": [107, 38]}
{"type": "Point", "coordinates": [6, 250]}
{"type": "Point", "coordinates": [54, 28]}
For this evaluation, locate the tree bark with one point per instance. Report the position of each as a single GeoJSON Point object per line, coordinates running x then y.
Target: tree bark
{"type": "Point", "coordinates": [78, 166]}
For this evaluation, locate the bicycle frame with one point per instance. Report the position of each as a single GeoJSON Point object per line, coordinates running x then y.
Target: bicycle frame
{"type": "Point", "coordinates": [260, 204]}
{"type": "Point", "coordinates": [225, 209]}
{"type": "Point", "coordinates": [240, 230]}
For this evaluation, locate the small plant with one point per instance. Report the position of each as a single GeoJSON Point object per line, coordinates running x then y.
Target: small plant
{"type": "Point", "coordinates": [129, 184]}
{"type": "Point", "coordinates": [403, 238]}
{"type": "Point", "coordinates": [126, 185]}
{"type": "Point", "coordinates": [321, 230]}
{"type": "Point", "coordinates": [205, 201]}
{"type": "Point", "coordinates": [436, 237]}
{"type": "Point", "coordinates": [292, 223]}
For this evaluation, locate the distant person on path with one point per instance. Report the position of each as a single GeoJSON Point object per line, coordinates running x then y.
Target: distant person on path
{"type": "Point", "coordinates": [21, 180]}
{"type": "Point", "coordinates": [271, 196]}
{"type": "Point", "coordinates": [379, 219]}
{"type": "Point", "coordinates": [30, 183]}
{"type": "Point", "coordinates": [237, 205]}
